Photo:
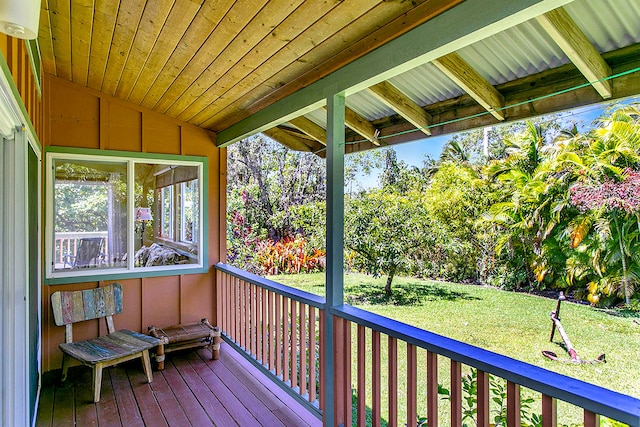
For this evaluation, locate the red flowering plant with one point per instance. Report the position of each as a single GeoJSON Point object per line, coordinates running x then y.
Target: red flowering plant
{"type": "Point", "coordinates": [614, 206]}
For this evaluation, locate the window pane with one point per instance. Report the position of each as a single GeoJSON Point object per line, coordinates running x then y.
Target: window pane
{"type": "Point", "coordinates": [188, 212]}
{"type": "Point", "coordinates": [90, 215]}
{"type": "Point", "coordinates": [171, 194]}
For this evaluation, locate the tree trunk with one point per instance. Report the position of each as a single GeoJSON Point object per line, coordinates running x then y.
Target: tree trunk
{"type": "Point", "coordinates": [387, 287]}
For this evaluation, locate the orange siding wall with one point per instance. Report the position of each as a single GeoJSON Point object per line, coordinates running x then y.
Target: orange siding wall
{"type": "Point", "coordinates": [17, 57]}
{"type": "Point", "coordinates": [80, 117]}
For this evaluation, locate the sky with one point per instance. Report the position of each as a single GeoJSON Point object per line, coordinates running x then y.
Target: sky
{"type": "Point", "coordinates": [413, 153]}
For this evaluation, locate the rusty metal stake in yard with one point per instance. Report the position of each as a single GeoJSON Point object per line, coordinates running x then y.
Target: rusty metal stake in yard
{"type": "Point", "coordinates": [556, 314]}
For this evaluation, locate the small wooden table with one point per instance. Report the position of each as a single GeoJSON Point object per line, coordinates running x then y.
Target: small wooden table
{"type": "Point", "coordinates": [191, 335]}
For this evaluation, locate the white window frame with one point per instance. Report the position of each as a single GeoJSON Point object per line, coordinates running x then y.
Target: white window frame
{"type": "Point", "coordinates": [130, 270]}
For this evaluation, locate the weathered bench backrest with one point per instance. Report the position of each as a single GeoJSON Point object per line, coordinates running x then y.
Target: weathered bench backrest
{"type": "Point", "coordinates": [76, 306]}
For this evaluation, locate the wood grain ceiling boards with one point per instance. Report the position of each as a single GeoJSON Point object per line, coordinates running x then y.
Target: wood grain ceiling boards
{"type": "Point", "coordinates": [211, 62]}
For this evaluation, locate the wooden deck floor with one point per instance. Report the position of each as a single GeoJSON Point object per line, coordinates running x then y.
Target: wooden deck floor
{"type": "Point", "coordinates": [191, 391]}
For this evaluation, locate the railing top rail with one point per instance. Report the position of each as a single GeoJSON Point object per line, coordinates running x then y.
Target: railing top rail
{"type": "Point", "coordinates": [295, 294]}
{"type": "Point", "coordinates": [596, 399]}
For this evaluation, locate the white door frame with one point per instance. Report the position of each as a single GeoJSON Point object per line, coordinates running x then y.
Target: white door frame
{"type": "Point", "coordinates": [15, 376]}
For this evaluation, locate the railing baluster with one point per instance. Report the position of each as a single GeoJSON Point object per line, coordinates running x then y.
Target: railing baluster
{"type": "Point", "coordinates": [286, 340]}
{"type": "Point", "coordinates": [220, 279]}
{"type": "Point", "coordinates": [279, 338]}
{"type": "Point", "coordinates": [375, 378]}
{"type": "Point", "coordinates": [303, 349]}
{"type": "Point", "coordinates": [272, 345]}
{"type": "Point", "coordinates": [225, 305]}
{"type": "Point", "coordinates": [348, 402]}
{"type": "Point", "coordinates": [254, 321]}
{"type": "Point", "coordinates": [245, 316]}
{"type": "Point", "coordinates": [392, 351]}
{"type": "Point", "coordinates": [312, 355]}
{"type": "Point", "coordinates": [231, 290]}
{"type": "Point", "coordinates": [294, 343]}
{"type": "Point", "coordinates": [323, 367]}
{"type": "Point", "coordinates": [482, 394]}
{"type": "Point", "coordinates": [432, 389]}
{"type": "Point", "coordinates": [591, 419]}
{"type": "Point", "coordinates": [361, 415]}
{"type": "Point", "coordinates": [237, 310]}
{"type": "Point", "coordinates": [247, 320]}
{"type": "Point", "coordinates": [265, 324]}
{"type": "Point", "coordinates": [456, 394]}
{"type": "Point", "coordinates": [513, 404]}
{"type": "Point", "coordinates": [549, 411]}
{"type": "Point", "coordinates": [412, 385]}
{"type": "Point", "coordinates": [339, 373]}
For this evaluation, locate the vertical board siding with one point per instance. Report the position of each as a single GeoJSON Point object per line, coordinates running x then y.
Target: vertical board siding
{"type": "Point", "coordinates": [79, 117]}
{"type": "Point", "coordinates": [17, 59]}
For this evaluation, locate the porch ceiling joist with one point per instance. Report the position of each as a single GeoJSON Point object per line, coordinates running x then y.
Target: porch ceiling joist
{"type": "Point", "coordinates": [458, 70]}
{"type": "Point", "coordinates": [400, 103]}
{"type": "Point", "coordinates": [287, 139]}
{"type": "Point", "coordinates": [310, 128]}
{"type": "Point", "coordinates": [564, 31]}
{"type": "Point", "coordinates": [432, 40]}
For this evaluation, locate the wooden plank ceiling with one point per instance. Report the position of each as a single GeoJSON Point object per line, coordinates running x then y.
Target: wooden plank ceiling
{"type": "Point", "coordinates": [214, 62]}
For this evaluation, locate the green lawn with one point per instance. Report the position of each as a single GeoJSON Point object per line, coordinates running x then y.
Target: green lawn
{"type": "Point", "coordinates": [514, 324]}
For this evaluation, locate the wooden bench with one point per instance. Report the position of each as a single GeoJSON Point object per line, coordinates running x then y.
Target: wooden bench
{"type": "Point", "coordinates": [190, 335]}
{"type": "Point", "coordinates": [98, 353]}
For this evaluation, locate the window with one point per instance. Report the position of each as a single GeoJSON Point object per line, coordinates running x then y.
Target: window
{"type": "Point", "coordinates": [118, 215]}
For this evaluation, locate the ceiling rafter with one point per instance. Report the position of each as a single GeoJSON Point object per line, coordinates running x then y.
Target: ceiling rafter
{"type": "Point", "coordinates": [465, 76]}
{"type": "Point", "coordinates": [287, 139]}
{"type": "Point", "coordinates": [573, 42]}
{"type": "Point", "coordinates": [402, 105]}
{"type": "Point", "coordinates": [310, 128]}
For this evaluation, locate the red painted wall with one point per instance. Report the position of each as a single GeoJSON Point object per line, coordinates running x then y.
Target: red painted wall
{"type": "Point", "coordinates": [80, 117]}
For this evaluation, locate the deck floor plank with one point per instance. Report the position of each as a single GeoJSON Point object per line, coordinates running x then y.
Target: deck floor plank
{"type": "Point", "coordinates": [193, 390]}
{"type": "Point", "coordinates": [125, 399]}
{"type": "Point", "coordinates": [268, 393]}
{"type": "Point", "coordinates": [173, 412]}
{"type": "Point", "coordinates": [201, 391]}
{"type": "Point", "coordinates": [236, 409]}
{"type": "Point", "coordinates": [194, 411]}
{"type": "Point", "coordinates": [86, 414]}
{"type": "Point", "coordinates": [149, 408]}
{"type": "Point", "coordinates": [107, 409]}
{"type": "Point", "coordinates": [45, 408]}
{"type": "Point", "coordinates": [244, 394]}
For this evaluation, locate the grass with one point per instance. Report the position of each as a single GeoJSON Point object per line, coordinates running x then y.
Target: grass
{"type": "Point", "coordinates": [514, 324]}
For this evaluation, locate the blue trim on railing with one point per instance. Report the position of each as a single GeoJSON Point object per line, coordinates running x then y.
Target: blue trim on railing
{"type": "Point", "coordinates": [304, 297]}
{"type": "Point", "coordinates": [596, 399]}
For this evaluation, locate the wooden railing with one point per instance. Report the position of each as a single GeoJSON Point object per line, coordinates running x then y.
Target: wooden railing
{"type": "Point", "coordinates": [278, 328]}
{"type": "Point", "coordinates": [393, 371]}
{"type": "Point", "coordinates": [66, 243]}
{"type": "Point", "coordinates": [509, 375]}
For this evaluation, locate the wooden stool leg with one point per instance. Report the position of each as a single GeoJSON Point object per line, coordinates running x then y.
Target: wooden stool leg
{"type": "Point", "coordinates": [146, 365]}
{"type": "Point", "coordinates": [97, 382]}
{"type": "Point", "coordinates": [65, 367]}
{"type": "Point", "coordinates": [160, 349]}
{"type": "Point", "coordinates": [215, 345]}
